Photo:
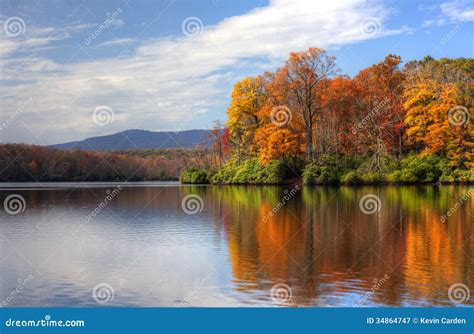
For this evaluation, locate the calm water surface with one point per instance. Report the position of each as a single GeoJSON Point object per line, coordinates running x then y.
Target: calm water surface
{"type": "Point", "coordinates": [317, 246]}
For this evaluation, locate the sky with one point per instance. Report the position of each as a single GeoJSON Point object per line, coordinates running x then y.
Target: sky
{"type": "Point", "coordinates": [70, 70]}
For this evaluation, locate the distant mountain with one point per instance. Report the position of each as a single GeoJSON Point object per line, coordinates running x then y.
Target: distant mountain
{"type": "Point", "coordinates": [135, 139]}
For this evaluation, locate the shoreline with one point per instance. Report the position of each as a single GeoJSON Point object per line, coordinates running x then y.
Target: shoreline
{"type": "Point", "coordinates": [98, 184]}
{"type": "Point", "coordinates": [434, 184]}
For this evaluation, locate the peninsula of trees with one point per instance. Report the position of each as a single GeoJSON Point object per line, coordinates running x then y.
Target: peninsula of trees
{"type": "Point", "coordinates": [387, 124]}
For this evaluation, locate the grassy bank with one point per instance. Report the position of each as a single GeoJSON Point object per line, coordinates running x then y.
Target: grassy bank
{"type": "Point", "coordinates": [329, 170]}
{"type": "Point", "coordinates": [250, 171]}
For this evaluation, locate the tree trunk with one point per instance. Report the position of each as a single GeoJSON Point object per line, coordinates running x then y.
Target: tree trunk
{"type": "Point", "coordinates": [309, 143]}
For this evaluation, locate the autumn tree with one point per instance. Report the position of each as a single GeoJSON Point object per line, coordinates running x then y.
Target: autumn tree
{"type": "Point", "coordinates": [338, 119]}
{"type": "Point", "coordinates": [218, 142]}
{"type": "Point", "coordinates": [278, 142]}
{"type": "Point", "coordinates": [301, 84]}
{"type": "Point", "coordinates": [379, 100]}
{"type": "Point", "coordinates": [247, 99]}
{"type": "Point", "coordinates": [438, 100]}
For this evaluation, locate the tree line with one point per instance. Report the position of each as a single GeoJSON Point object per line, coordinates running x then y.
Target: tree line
{"type": "Point", "coordinates": [30, 163]}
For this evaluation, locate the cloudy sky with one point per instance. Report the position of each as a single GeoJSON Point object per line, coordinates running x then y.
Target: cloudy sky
{"type": "Point", "coordinates": [76, 69]}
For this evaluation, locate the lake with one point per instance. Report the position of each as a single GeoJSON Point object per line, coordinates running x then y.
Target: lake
{"type": "Point", "coordinates": [164, 244]}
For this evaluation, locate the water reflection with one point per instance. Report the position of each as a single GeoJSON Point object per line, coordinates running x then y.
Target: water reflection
{"type": "Point", "coordinates": [244, 241]}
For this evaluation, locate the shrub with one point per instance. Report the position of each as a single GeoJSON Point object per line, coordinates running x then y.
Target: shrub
{"type": "Point", "coordinates": [275, 172]}
{"type": "Point", "coordinates": [351, 163]}
{"type": "Point", "coordinates": [357, 170]}
{"type": "Point", "coordinates": [421, 168]}
{"type": "Point", "coordinates": [323, 171]}
{"type": "Point", "coordinates": [224, 174]}
{"type": "Point", "coordinates": [251, 171]}
{"type": "Point", "coordinates": [194, 175]}
{"type": "Point", "coordinates": [374, 178]}
{"type": "Point", "coordinates": [403, 176]}
{"type": "Point", "coordinates": [352, 178]}
{"type": "Point", "coordinates": [457, 175]}
{"type": "Point", "coordinates": [248, 172]}
{"type": "Point", "coordinates": [311, 173]}
{"type": "Point", "coordinates": [315, 174]}
{"type": "Point", "coordinates": [329, 175]}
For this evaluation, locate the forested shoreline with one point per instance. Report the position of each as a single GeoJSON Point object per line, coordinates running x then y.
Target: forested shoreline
{"type": "Point", "coordinates": [29, 163]}
{"type": "Point", "coordinates": [388, 124]}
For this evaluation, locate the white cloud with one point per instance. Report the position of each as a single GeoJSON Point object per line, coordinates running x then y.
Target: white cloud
{"type": "Point", "coordinates": [459, 10]}
{"type": "Point", "coordinates": [156, 85]}
{"type": "Point", "coordinates": [117, 22]}
{"type": "Point", "coordinates": [34, 38]}
{"type": "Point", "coordinates": [118, 41]}
{"type": "Point", "coordinates": [453, 12]}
